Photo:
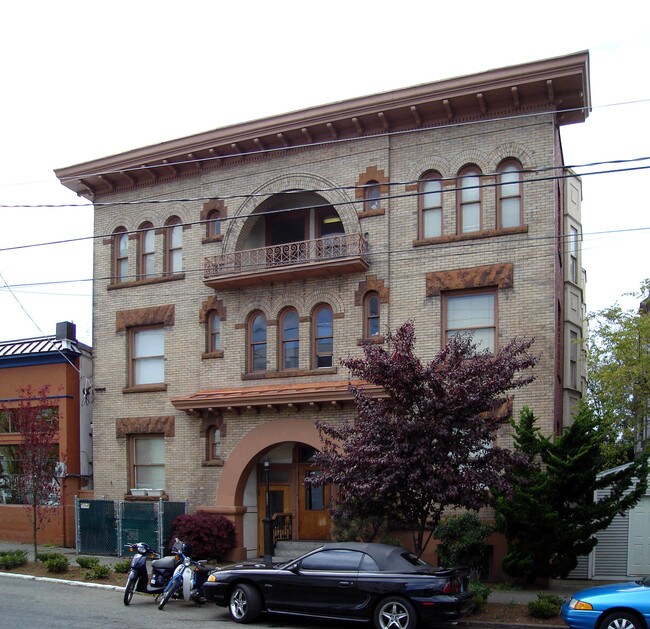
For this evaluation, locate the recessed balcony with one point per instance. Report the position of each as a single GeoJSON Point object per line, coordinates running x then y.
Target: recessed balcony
{"type": "Point", "coordinates": [331, 255]}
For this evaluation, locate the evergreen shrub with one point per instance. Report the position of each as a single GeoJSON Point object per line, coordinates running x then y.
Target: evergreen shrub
{"type": "Point", "coordinates": [12, 559]}
{"type": "Point", "coordinates": [546, 606]}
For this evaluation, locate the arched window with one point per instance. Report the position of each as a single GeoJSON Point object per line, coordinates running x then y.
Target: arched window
{"type": "Point", "coordinates": [371, 315]}
{"type": "Point", "coordinates": [257, 341]}
{"type": "Point", "coordinates": [214, 332]}
{"type": "Point", "coordinates": [289, 340]}
{"type": "Point", "coordinates": [214, 224]}
{"type": "Point", "coordinates": [509, 195]}
{"type": "Point", "coordinates": [469, 200]}
{"type": "Point", "coordinates": [322, 337]}
{"type": "Point", "coordinates": [430, 204]}
{"type": "Point", "coordinates": [146, 251]}
{"type": "Point", "coordinates": [120, 255]}
{"type": "Point", "coordinates": [214, 443]}
{"type": "Point", "coordinates": [174, 245]}
{"type": "Point", "coordinates": [371, 196]}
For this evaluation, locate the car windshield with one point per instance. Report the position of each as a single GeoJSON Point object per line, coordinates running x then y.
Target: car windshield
{"type": "Point", "coordinates": [416, 561]}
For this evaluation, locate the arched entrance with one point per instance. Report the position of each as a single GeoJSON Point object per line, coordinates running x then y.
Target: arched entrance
{"type": "Point", "coordinates": [287, 445]}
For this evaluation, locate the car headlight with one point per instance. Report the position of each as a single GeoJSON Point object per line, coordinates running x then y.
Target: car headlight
{"type": "Point", "coordinates": [212, 578]}
{"type": "Point", "coordinates": [580, 605]}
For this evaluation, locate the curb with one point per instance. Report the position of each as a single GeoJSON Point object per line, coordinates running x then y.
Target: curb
{"type": "Point", "coordinates": [115, 588]}
{"type": "Point", "coordinates": [481, 624]}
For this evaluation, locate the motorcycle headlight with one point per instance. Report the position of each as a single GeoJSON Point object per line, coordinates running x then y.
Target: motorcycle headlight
{"type": "Point", "coordinates": [187, 561]}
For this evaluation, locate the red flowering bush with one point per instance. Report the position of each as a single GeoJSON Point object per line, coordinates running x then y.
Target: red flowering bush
{"type": "Point", "coordinates": [209, 535]}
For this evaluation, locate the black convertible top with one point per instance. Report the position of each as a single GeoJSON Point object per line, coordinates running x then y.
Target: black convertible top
{"type": "Point", "coordinates": [388, 558]}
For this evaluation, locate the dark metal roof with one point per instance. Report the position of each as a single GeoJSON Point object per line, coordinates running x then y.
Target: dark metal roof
{"type": "Point", "coordinates": [38, 345]}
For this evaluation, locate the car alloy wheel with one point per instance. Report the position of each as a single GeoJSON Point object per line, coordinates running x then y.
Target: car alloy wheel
{"type": "Point", "coordinates": [245, 603]}
{"type": "Point", "coordinates": [395, 613]}
{"type": "Point", "coordinates": [621, 620]}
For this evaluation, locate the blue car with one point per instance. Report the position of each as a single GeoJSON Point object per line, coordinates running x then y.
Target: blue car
{"type": "Point", "coordinates": [618, 606]}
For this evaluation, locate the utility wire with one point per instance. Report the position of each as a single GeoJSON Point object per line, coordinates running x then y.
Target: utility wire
{"type": "Point", "coordinates": [352, 202]}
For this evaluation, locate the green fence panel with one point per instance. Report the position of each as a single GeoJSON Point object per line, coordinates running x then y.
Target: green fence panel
{"type": "Point", "coordinates": [170, 511]}
{"type": "Point", "coordinates": [139, 523]}
{"type": "Point", "coordinates": [96, 527]}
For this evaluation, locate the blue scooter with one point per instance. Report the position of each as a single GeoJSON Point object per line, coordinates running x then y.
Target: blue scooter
{"type": "Point", "coordinates": [162, 570]}
{"type": "Point", "coordinates": [188, 578]}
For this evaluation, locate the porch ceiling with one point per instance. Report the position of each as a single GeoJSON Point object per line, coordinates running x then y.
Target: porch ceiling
{"type": "Point", "coordinates": [312, 394]}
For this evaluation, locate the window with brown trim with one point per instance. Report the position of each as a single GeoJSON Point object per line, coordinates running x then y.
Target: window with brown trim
{"type": "Point", "coordinates": [371, 196]}
{"type": "Point", "coordinates": [214, 332]}
{"type": "Point", "coordinates": [120, 255]}
{"type": "Point", "coordinates": [147, 457]}
{"type": "Point", "coordinates": [430, 206]}
{"type": "Point", "coordinates": [472, 312]}
{"type": "Point", "coordinates": [573, 254]}
{"type": "Point", "coordinates": [322, 337]}
{"type": "Point", "coordinates": [469, 200]}
{"type": "Point", "coordinates": [146, 251]}
{"type": "Point", "coordinates": [213, 224]}
{"type": "Point", "coordinates": [146, 355]}
{"type": "Point", "coordinates": [573, 359]}
{"type": "Point", "coordinates": [214, 444]}
{"type": "Point", "coordinates": [174, 245]}
{"type": "Point", "coordinates": [371, 315]}
{"type": "Point", "coordinates": [509, 195]}
{"type": "Point", "coordinates": [256, 329]}
{"type": "Point", "coordinates": [289, 342]}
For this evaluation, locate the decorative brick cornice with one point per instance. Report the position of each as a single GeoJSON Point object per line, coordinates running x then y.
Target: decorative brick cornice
{"type": "Point", "coordinates": [164, 424]}
{"type": "Point", "coordinates": [372, 173]}
{"type": "Point", "coordinates": [144, 316]}
{"type": "Point", "coordinates": [371, 283]}
{"type": "Point", "coordinates": [209, 305]}
{"type": "Point", "coordinates": [500, 275]}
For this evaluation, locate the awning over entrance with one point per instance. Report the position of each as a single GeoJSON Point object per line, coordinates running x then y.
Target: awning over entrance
{"type": "Point", "coordinates": [310, 394]}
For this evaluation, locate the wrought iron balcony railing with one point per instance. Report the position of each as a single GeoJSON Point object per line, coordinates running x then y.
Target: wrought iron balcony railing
{"type": "Point", "coordinates": [300, 259]}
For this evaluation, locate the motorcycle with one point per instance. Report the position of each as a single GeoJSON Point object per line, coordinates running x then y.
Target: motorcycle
{"type": "Point", "coordinates": [188, 578]}
{"type": "Point", "coordinates": [162, 570]}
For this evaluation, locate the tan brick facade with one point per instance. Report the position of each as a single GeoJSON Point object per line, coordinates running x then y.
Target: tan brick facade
{"type": "Point", "coordinates": [409, 274]}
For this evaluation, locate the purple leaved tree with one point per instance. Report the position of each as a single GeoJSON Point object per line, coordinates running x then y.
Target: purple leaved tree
{"type": "Point", "coordinates": [38, 424]}
{"type": "Point", "coordinates": [428, 442]}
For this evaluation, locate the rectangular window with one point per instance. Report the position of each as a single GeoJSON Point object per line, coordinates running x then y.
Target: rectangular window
{"type": "Point", "coordinates": [473, 313]}
{"type": "Point", "coordinates": [147, 356]}
{"type": "Point", "coordinates": [148, 456]}
{"type": "Point", "coordinates": [573, 252]}
{"type": "Point", "coordinates": [573, 360]}
{"type": "Point", "coordinates": [7, 421]}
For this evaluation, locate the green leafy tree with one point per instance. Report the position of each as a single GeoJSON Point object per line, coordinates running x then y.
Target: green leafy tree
{"type": "Point", "coordinates": [426, 443]}
{"type": "Point", "coordinates": [619, 377]}
{"type": "Point", "coordinates": [552, 517]}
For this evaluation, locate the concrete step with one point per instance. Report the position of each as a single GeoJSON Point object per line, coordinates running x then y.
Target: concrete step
{"type": "Point", "coordinates": [286, 550]}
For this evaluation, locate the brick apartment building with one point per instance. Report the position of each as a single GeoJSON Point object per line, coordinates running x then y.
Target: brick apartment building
{"type": "Point", "coordinates": [234, 268]}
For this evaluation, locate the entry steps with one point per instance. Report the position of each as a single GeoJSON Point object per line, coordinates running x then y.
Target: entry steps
{"type": "Point", "coordinates": [286, 550]}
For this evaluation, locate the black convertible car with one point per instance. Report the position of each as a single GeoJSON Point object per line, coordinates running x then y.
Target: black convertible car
{"type": "Point", "coordinates": [384, 584]}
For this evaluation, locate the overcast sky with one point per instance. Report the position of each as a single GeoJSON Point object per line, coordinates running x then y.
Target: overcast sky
{"type": "Point", "coordinates": [83, 80]}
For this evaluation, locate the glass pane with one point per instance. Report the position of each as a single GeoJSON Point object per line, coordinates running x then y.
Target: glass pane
{"type": "Point", "coordinates": [471, 217]}
{"type": "Point", "coordinates": [215, 332]}
{"type": "Point", "coordinates": [149, 343]}
{"type": "Point", "coordinates": [432, 223]}
{"type": "Point", "coordinates": [290, 360]}
{"type": "Point", "coordinates": [149, 370]}
{"type": "Point", "coordinates": [123, 245]}
{"type": "Point", "coordinates": [324, 322]}
{"type": "Point", "coordinates": [471, 192]}
{"type": "Point", "coordinates": [149, 264]}
{"type": "Point", "coordinates": [324, 346]}
{"type": "Point", "coordinates": [373, 326]}
{"type": "Point", "coordinates": [432, 194]}
{"type": "Point", "coordinates": [259, 329]}
{"type": "Point", "coordinates": [259, 357]}
{"type": "Point", "coordinates": [373, 306]}
{"type": "Point", "coordinates": [470, 311]}
{"type": "Point", "coordinates": [482, 337]}
{"type": "Point", "coordinates": [290, 326]}
{"type": "Point", "coordinates": [150, 477]}
{"type": "Point", "coordinates": [372, 196]}
{"type": "Point", "coordinates": [323, 361]}
{"type": "Point", "coordinates": [176, 238]}
{"type": "Point", "coordinates": [123, 269]}
{"type": "Point", "coordinates": [509, 184]}
{"type": "Point", "coordinates": [510, 212]}
{"type": "Point", "coordinates": [148, 241]}
{"type": "Point", "coordinates": [176, 260]}
{"type": "Point", "coordinates": [150, 451]}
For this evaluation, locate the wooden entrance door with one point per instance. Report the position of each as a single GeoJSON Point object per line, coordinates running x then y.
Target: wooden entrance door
{"type": "Point", "coordinates": [279, 500]}
{"type": "Point", "coordinates": [313, 504]}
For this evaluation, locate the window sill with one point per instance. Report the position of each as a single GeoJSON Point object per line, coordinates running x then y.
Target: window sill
{"type": "Point", "coordinates": [212, 355]}
{"type": "Point", "coordinates": [131, 498]}
{"type": "Point", "coordinates": [208, 239]}
{"type": "Point", "coordinates": [145, 388]}
{"type": "Point", "coordinates": [150, 280]}
{"type": "Point", "coordinates": [212, 463]}
{"type": "Point", "coordinates": [486, 233]}
{"type": "Point", "coordinates": [290, 373]}
{"type": "Point", "coordinates": [372, 340]}
{"type": "Point", "coordinates": [369, 213]}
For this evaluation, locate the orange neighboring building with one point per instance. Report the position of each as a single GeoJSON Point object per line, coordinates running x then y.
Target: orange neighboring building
{"type": "Point", "coordinates": [64, 365]}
